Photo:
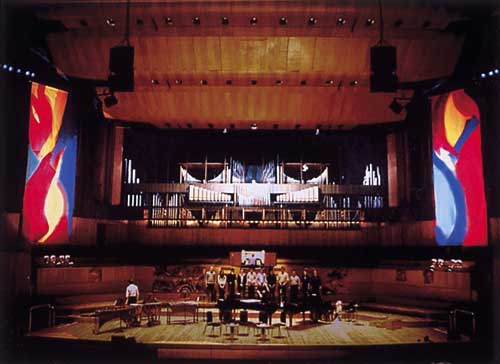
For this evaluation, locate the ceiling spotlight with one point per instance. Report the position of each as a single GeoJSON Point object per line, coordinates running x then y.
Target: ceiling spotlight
{"type": "Point", "coordinates": [203, 82]}
{"type": "Point", "coordinates": [312, 21]}
{"type": "Point", "coordinates": [225, 20]}
{"type": "Point", "coordinates": [196, 20]}
{"type": "Point", "coordinates": [19, 71]}
{"type": "Point", "coordinates": [32, 74]}
{"type": "Point", "coordinates": [279, 82]}
{"type": "Point", "coordinates": [483, 75]}
{"type": "Point", "coordinates": [317, 131]}
{"type": "Point", "coordinates": [396, 107]}
{"type": "Point", "coordinates": [169, 21]}
{"type": "Point", "coordinates": [370, 22]}
{"type": "Point", "coordinates": [253, 126]}
{"type": "Point", "coordinates": [283, 21]}
{"type": "Point", "coordinates": [496, 71]}
{"type": "Point", "coordinates": [253, 20]}
{"type": "Point", "coordinates": [27, 73]}
{"type": "Point", "coordinates": [178, 82]}
{"type": "Point", "coordinates": [253, 82]}
{"type": "Point", "coordinates": [110, 22]}
{"type": "Point", "coordinates": [224, 131]}
{"type": "Point", "coordinates": [341, 21]}
{"type": "Point", "coordinates": [155, 82]}
{"type": "Point", "coordinates": [489, 73]}
{"type": "Point", "coordinates": [329, 82]}
{"type": "Point", "coordinates": [110, 100]}
{"type": "Point", "coordinates": [229, 82]}
{"type": "Point", "coordinates": [303, 82]}
{"type": "Point", "coordinates": [305, 167]}
{"type": "Point", "coordinates": [5, 66]}
{"type": "Point", "coordinates": [11, 68]}
{"type": "Point", "coordinates": [354, 83]}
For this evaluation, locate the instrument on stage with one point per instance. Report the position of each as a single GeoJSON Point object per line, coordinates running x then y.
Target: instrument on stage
{"type": "Point", "coordinates": [124, 313]}
{"type": "Point", "coordinates": [151, 310]}
{"type": "Point", "coordinates": [186, 309]}
{"type": "Point", "coordinates": [314, 304]}
{"type": "Point", "coordinates": [247, 304]}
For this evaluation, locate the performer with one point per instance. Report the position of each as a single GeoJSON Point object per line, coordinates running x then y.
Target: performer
{"type": "Point", "coordinates": [131, 293]}
{"type": "Point", "coordinates": [271, 282]}
{"type": "Point", "coordinates": [283, 280]}
{"type": "Point", "coordinates": [315, 299]}
{"type": "Point", "coordinates": [315, 283]}
{"type": "Point", "coordinates": [261, 278]}
{"type": "Point", "coordinates": [221, 282]}
{"type": "Point", "coordinates": [305, 284]}
{"type": "Point", "coordinates": [210, 277]}
{"type": "Point", "coordinates": [251, 283]}
{"type": "Point", "coordinates": [231, 280]}
{"type": "Point", "coordinates": [294, 286]}
{"type": "Point", "coordinates": [242, 282]}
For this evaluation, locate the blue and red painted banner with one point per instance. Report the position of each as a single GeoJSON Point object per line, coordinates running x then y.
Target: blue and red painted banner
{"type": "Point", "coordinates": [459, 195]}
{"type": "Point", "coordinates": [50, 176]}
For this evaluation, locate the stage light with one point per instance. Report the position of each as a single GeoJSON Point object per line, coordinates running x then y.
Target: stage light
{"type": "Point", "coordinates": [19, 70]}
{"type": "Point", "coordinates": [317, 131]}
{"type": "Point", "coordinates": [354, 83]}
{"type": "Point", "coordinates": [483, 75]}
{"type": "Point", "coordinates": [341, 21]}
{"type": "Point", "coordinates": [196, 20]}
{"type": "Point", "coordinates": [155, 82]}
{"type": "Point", "coordinates": [225, 20]}
{"type": "Point", "coordinates": [253, 20]}
{"type": "Point", "coordinates": [27, 73]}
{"type": "Point", "coordinates": [5, 66]}
{"type": "Point", "coordinates": [283, 21]}
{"type": "Point", "coordinates": [312, 21]}
{"type": "Point", "coordinates": [110, 22]}
{"type": "Point", "coordinates": [370, 22]}
{"type": "Point", "coordinates": [169, 21]}
{"type": "Point", "coordinates": [329, 82]}
{"type": "Point", "coordinates": [178, 82]}
{"type": "Point", "coordinates": [224, 131]}
{"type": "Point", "coordinates": [490, 73]}
{"type": "Point", "coordinates": [253, 126]}
{"type": "Point", "coordinates": [305, 167]}
{"type": "Point", "coordinates": [33, 74]}
{"type": "Point", "coordinates": [11, 68]}
{"type": "Point", "coordinates": [204, 82]}
{"type": "Point", "coordinates": [110, 100]}
{"type": "Point", "coordinates": [279, 82]}
{"type": "Point", "coordinates": [396, 107]}
{"type": "Point", "coordinates": [496, 71]}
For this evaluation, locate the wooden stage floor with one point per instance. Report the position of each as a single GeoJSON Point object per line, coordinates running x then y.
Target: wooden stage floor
{"type": "Point", "coordinates": [304, 341]}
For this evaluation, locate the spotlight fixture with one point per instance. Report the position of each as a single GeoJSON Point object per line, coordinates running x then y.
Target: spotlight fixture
{"type": "Point", "coordinates": [253, 126]}
{"type": "Point", "coordinates": [283, 21]}
{"type": "Point", "coordinates": [11, 68]}
{"type": "Point", "coordinates": [303, 82]}
{"type": "Point", "coordinates": [33, 74]}
{"type": "Point", "coordinates": [370, 22]}
{"type": "Point", "coordinates": [110, 100]}
{"type": "Point", "coordinates": [178, 82]}
{"type": "Point", "coordinates": [396, 107]}
{"type": "Point", "coordinates": [229, 82]}
{"type": "Point", "coordinates": [196, 20]}
{"type": "Point", "coordinates": [204, 82]}
{"type": "Point", "coordinates": [279, 82]}
{"type": "Point", "coordinates": [5, 66]}
{"type": "Point", "coordinates": [354, 83]}
{"type": "Point", "coordinates": [489, 73]}
{"type": "Point", "coordinates": [305, 167]}
{"type": "Point", "coordinates": [496, 71]}
{"type": "Point", "coordinates": [225, 20]}
{"type": "Point", "coordinates": [329, 82]}
{"type": "Point", "coordinates": [155, 82]}
{"type": "Point", "coordinates": [253, 20]}
{"type": "Point", "coordinates": [224, 131]}
{"type": "Point", "coordinates": [312, 21]}
{"type": "Point", "coordinates": [27, 73]}
{"type": "Point", "coordinates": [253, 82]}
{"type": "Point", "coordinates": [317, 131]}
{"type": "Point", "coordinates": [483, 75]}
{"type": "Point", "coordinates": [341, 21]}
{"type": "Point", "coordinates": [110, 22]}
{"type": "Point", "coordinates": [169, 21]}
{"type": "Point", "coordinates": [19, 71]}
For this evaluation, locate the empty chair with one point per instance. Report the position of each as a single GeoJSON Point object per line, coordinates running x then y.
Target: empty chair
{"type": "Point", "coordinates": [212, 324]}
{"type": "Point", "coordinates": [243, 322]}
{"type": "Point", "coordinates": [279, 325]}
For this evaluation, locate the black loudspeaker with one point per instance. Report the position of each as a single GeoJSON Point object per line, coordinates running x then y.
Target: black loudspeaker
{"type": "Point", "coordinates": [121, 68]}
{"type": "Point", "coordinates": [383, 65]}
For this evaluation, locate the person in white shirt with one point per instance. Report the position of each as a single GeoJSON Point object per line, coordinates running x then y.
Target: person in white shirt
{"type": "Point", "coordinates": [294, 286]}
{"type": "Point", "coordinates": [221, 282]}
{"type": "Point", "coordinates": [251, 283]}
{"type": "Point", "coordinates": [210, 277]}
{"type": "Point", "coordinates": [283, 280]}
{"type": "Point", "coordinates": [131, 293]}
{"type": "Point", "coordinates": [261, 279]}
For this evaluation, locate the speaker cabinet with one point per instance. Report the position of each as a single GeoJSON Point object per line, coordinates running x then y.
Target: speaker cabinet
{"type": "Point", "coordinates": [121, 68]}
{"type": "Point", "coordinates": [383, 65]}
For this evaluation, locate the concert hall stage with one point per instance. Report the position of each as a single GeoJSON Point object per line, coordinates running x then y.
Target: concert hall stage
{"type": "Point", "coordinates": [370, 334]}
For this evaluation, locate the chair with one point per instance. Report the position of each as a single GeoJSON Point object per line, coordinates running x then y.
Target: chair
{"type": "Point", "coordinates": [279, 326]}
{"type": "Point", "coordinates": [263, 319]}
{"type": "Point", "coordinates": [243, 322]}
{"type": "Point", "coordinates": [213, 324]}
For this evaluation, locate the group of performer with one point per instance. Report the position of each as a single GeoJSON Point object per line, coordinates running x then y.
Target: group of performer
{"type": "Point", "coordinates": [256, 283]}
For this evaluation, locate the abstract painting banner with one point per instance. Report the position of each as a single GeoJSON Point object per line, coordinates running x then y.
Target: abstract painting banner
{"type": "Point", "coordinates": [50, 176]}
{"type": "Point", "coordinates": [458, 171]}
